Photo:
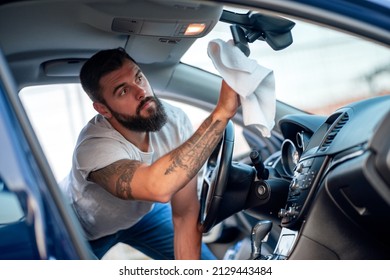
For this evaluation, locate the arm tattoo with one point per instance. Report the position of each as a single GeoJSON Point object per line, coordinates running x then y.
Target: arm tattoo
{"type": "Point", "coordinates": [117, 177]}
{"type": "Point", "coordinates": [194, 152]}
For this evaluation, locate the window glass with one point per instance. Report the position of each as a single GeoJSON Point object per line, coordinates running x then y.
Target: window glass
{"type": "Point", "coordinates": [17, 240]}
{"type": "Point", "coordinates": [321, 71]}
{"type": "Point", "coordinates": [57, 113]}
{"type": "Point", "coordinates": [10, 208]}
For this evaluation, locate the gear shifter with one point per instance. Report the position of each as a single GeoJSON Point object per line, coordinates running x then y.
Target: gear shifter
{"type": "Point", "coordinates": [259, 231]}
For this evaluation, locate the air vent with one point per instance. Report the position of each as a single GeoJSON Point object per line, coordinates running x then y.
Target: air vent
{"type": "Point", "coordinates": [338, 125]}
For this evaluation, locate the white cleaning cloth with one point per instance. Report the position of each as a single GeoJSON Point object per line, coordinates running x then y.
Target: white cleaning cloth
{"type": "Point", "coordinates": [254, 83]}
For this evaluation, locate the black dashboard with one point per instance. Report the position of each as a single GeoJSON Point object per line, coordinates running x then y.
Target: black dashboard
{"type": "Point", "coordinates": [339, 195]}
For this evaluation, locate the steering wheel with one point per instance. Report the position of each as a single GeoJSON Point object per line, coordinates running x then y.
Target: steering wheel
{"type": "Point", "coordinates": [215, 178]}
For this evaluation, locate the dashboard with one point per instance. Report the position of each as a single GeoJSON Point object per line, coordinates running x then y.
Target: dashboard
{"type": "Point", "coordinates": [339, 188]}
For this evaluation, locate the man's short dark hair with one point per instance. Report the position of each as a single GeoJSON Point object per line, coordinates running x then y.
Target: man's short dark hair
{"type": "Point", "coordinates": [100, 64]}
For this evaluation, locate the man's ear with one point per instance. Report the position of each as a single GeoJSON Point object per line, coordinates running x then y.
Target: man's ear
{"type": "Point", "coordinates": [102, 109]}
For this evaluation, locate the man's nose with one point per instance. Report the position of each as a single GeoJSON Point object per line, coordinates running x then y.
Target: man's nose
{"type": "Point", "coordinates": [140, 92]}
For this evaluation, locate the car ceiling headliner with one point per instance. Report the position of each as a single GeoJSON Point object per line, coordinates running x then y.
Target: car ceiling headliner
{"type": "Point", "coordinates": [49, 40]}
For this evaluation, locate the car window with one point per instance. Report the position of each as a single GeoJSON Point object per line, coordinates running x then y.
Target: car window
{"type": "Point", "coordinates": [59, 112]}
{"type": "Point", "coordinates": [10, 208]}
{"type": "Point", "coordinates": [320, 72]}
{"type": "Point", "coordinates": [16, 236]}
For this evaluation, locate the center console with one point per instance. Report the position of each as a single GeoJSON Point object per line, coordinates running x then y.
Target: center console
{"type": "Point", "coordinates": [300, 191]}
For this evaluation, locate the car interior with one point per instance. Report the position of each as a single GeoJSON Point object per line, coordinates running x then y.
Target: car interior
{"type": "Point", "coordinates": [317, 188]}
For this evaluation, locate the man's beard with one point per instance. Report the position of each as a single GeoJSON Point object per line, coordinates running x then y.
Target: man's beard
{"type": "Point", "coordinates": [152, 123]}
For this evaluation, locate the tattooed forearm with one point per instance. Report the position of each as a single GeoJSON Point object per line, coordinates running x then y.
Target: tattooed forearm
{"type": "Point", "coordinates": [116, 177]}
{"type": "Point", "coordinates": [192, 154]}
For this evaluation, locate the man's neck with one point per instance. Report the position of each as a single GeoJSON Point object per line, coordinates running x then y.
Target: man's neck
{"type": "Point", "coordinates": [139, 139]}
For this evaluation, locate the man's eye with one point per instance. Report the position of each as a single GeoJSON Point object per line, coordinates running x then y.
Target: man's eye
{"type": "Point", "coordinates": [123, 91]}
{"type": "Point", "coordinates": [139, 78]}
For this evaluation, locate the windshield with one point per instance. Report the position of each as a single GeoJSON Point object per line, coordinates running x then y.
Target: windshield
{"type": "Point", "coordinates": [320, 72]}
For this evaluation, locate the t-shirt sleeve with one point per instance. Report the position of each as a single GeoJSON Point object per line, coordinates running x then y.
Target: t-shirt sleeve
{"type": "Point", "coordinates": [96, 153]}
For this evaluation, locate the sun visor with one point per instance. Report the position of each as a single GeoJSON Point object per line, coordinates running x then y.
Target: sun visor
{"type": "Point", "coordinates": [143, 48]}
{"type": "Point", "coordinates": [63, 67]}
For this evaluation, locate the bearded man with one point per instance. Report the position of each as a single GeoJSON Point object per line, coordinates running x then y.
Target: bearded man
{"type": "Point", "coordinates": [135, 164]}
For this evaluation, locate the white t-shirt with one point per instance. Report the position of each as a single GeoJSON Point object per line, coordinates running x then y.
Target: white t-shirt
{"type": "Point", "coordinates": [99, 145]}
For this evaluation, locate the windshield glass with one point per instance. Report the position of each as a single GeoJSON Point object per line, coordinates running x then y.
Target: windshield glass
{"type": "Point", "coordinates": [320, 72]}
